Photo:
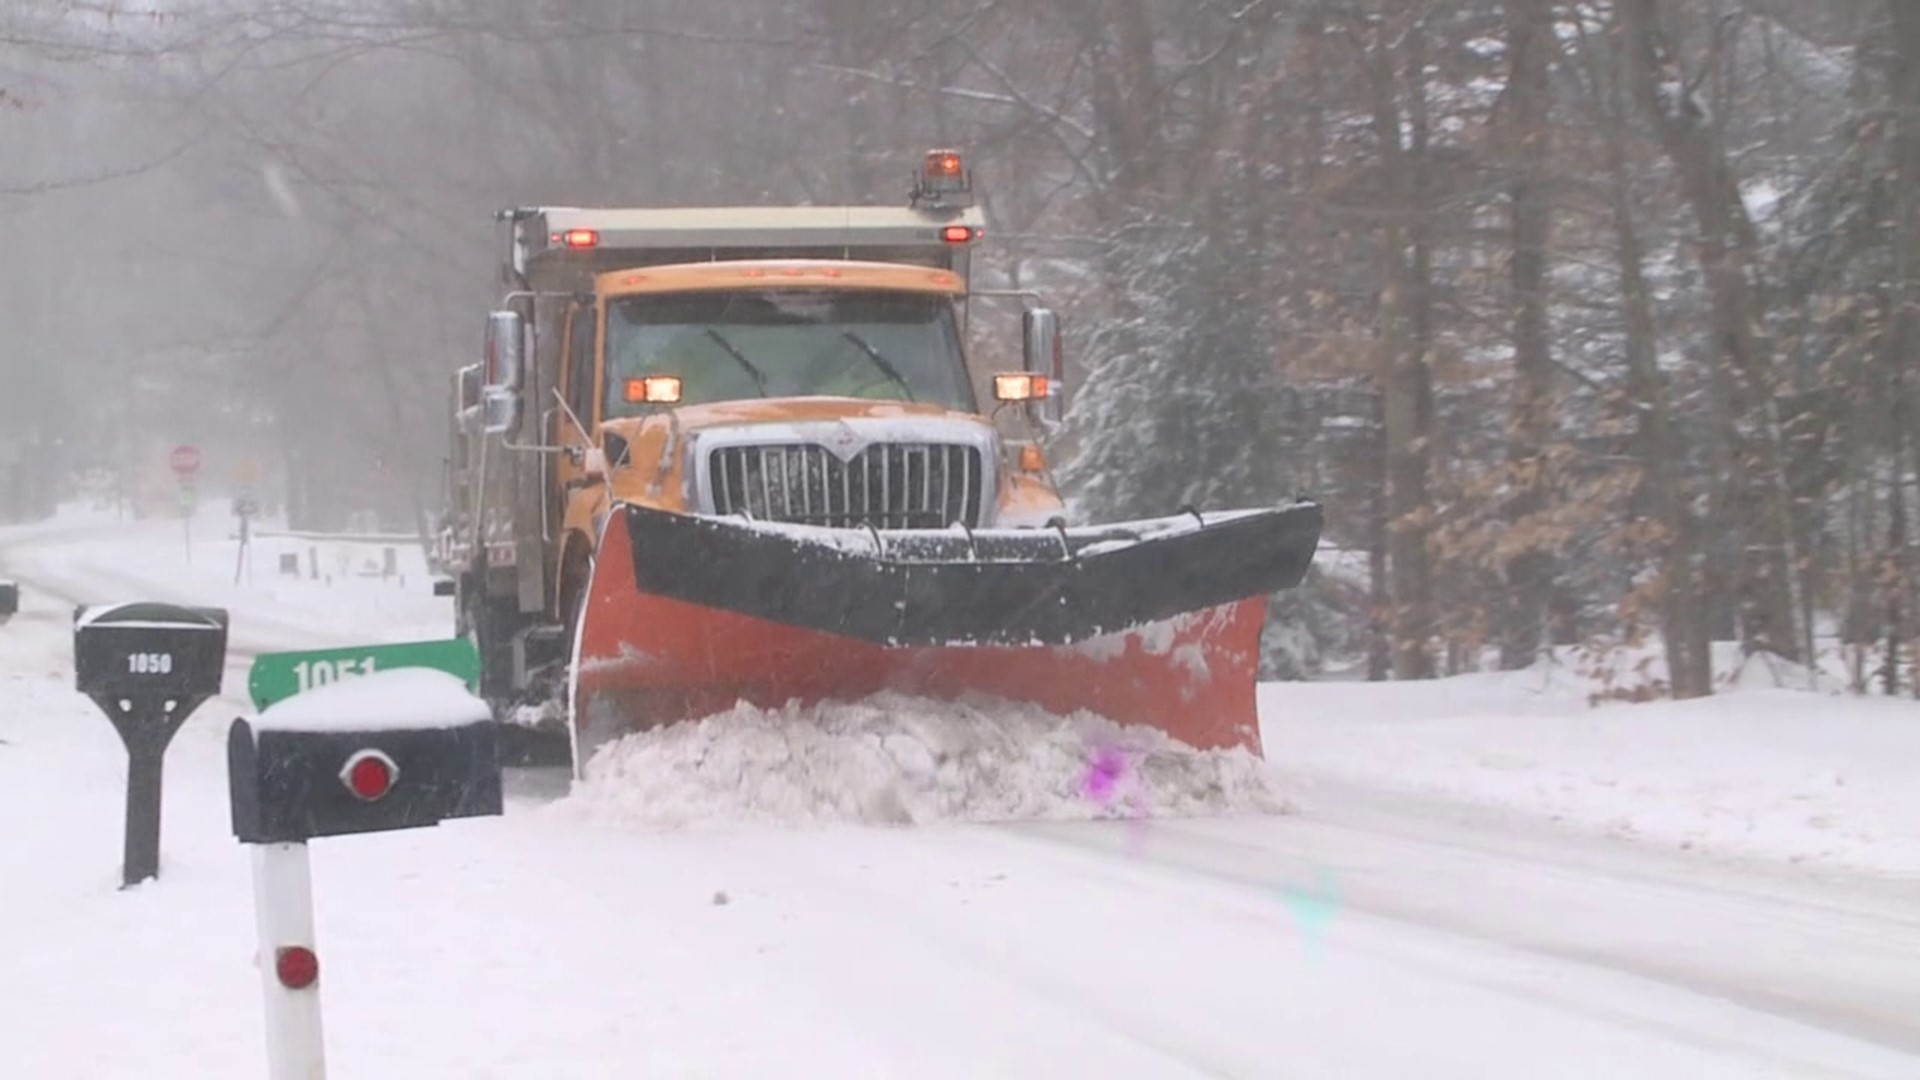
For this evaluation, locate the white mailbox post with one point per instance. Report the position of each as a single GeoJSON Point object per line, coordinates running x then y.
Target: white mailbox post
{"type": "Point", "coordinates": [400, 749]}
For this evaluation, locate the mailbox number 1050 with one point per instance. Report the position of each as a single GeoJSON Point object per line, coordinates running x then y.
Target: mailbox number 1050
{"type": "Point", "coordinates": [150, 663]}
{"type": "Point", "coordinates": [312, 673]}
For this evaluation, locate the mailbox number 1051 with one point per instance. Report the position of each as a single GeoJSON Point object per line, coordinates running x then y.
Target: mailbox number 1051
{"type": "Point", "coordinates": [312, 673]}
{"type": "Point", "coordinates": [150, 663]}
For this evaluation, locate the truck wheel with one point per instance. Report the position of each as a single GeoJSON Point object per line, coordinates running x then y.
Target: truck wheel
{"type": "Point", "coordinates": [490, 622]}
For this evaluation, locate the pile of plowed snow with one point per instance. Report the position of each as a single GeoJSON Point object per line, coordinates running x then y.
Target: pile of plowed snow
{"type": "Point", "coordinates": [892, 759]}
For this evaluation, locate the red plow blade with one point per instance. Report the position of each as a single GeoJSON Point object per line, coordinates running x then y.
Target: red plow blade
{"type": "Point", "coordinates": [645, 658]}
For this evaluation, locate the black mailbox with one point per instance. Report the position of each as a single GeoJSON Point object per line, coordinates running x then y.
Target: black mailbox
{"type": "Point", "coordinates": [288, 785]}
{"type": "Point", "coordinates": [148, 666]}
{"type": "Point", "coordinates": [9, 600]}
{"type": "Point", "coordinates": [150, 650]}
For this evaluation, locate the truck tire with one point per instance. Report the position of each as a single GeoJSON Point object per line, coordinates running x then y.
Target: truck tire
{"type": "Point", "coordinates": [490, 623]}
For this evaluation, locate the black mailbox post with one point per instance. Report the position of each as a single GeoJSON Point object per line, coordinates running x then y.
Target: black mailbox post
{"type": "Point", "coordinates": [148, 666]}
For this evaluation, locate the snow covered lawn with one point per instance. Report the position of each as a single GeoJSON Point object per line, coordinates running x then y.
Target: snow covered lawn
{"type": "Point", "coordinates": [92, 556]}
{"type": "Point", "coordinates": [737, 898]}
{"type": "Point", "coordinates": [571, 941]}
{"type": "Point", "coordinates": [1769, 773]}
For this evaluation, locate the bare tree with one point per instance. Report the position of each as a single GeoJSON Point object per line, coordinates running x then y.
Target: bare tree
{"type": "Point", "coordinates": [1751, 500]}
{"type": "Point", "coordinates": [1529, 93]}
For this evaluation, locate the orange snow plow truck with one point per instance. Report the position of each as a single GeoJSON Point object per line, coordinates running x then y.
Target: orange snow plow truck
{"type": "Point", "coordinates": [739, 454]}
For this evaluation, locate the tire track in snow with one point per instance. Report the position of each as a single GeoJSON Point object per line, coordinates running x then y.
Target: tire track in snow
{"type": "Point", "coordinates": [1135, 1026]}
{"type": "Point", "coordinates": [1686, 932]}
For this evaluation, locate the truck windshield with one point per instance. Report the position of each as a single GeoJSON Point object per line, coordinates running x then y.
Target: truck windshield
{"type": "Point", "coordinates": [724, 346]}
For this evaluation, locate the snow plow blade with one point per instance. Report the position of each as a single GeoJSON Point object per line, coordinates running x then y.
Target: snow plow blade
{"type": "Point", "coordinates": [1152, 622]}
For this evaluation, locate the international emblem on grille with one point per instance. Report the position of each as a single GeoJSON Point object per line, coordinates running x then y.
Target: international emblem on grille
{"type": "Point", "coordinates": [843, 441]}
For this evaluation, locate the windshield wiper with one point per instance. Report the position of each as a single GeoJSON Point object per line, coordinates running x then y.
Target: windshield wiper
{"type": "Point", "coordinates": [886, 367]}
{"type": "Point", "coordinates": [759, 377]}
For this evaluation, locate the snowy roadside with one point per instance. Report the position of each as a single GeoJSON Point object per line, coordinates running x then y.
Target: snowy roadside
{"type": "Point", "coordinates": [1791, 775]}
{"type": "Point", "coordinates": [1775, 774]}
{"type": "Point", "coordinates": [88, 555]}
{"type": "Point", "coordinates": [613, 933]}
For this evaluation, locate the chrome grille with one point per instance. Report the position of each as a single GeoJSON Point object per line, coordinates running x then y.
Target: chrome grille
{"type": "Point", "coordinates": [886, 485]}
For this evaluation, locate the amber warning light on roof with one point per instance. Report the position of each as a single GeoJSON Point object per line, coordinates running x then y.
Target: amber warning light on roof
{"type": "Point", "coordinates": [578, 238]}
{"type": "Point", "coordinates": [943, 181]}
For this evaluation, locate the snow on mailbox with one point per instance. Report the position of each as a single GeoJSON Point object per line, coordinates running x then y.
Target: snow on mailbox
{"type": "Point", "coordinates": [400, 749]}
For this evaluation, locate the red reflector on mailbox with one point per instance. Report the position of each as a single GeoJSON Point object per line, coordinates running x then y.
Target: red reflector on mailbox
{"type": "Point", "coordinates": [369, 774]}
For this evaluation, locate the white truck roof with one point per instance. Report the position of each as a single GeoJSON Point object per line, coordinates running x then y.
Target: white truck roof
{"type": "Point", "coordinates": [751, 227]}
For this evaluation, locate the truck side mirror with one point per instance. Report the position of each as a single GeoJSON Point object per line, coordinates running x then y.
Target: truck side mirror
{"type": "Point", "coordinates": [467, 387]}
{"type": "Point", "coordinates": [500, 410]}
{"type": "Point", "coordinates": [1040, 343]}
{"type": "Point", "coordinates": [506, 360]}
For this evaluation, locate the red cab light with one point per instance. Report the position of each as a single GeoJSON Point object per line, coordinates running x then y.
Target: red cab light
{"type": "Point", "coordinates": [960, 234]}
{"type": "Point", "coordinates": [369, 774]}
{"type": "Point", "coordinates": [578, 238]}
{"type": "Point", "coordinates": [296, 967]}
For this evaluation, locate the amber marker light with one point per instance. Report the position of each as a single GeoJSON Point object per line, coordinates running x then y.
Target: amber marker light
{"type": "Point", "coordinates": [654, 390]}
{"type": "Point", "coordinates": [943, 163]}
{"type": "Point", "coordinates": [1019, 387]}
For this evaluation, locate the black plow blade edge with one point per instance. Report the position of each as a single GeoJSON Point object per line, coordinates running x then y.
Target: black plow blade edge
{"type": "Point", "coordinates": [993, 587]}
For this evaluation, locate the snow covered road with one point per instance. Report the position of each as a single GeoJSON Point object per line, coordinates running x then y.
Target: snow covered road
{"type": "Point", "coordinates": [1377, 930]}
{"type": "Point", "coordinates": [1834, 954]}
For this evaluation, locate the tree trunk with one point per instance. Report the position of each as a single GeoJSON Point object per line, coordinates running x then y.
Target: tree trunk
{"type": "Point", "coordinates": [1405, 381]}
{"type": "Point", "coordinates": [1893, 582]}
{"type": "Point", "coordinates": [1529, 572]}
{"type": "Point", "coordinates": [1904, 334]}
{"type": "Point", "coordinates": [1379, 580]}
{"type": "Point", "coordinates": [1684, 616]}
{"type": "Point", "coordinates": [1726, 246]}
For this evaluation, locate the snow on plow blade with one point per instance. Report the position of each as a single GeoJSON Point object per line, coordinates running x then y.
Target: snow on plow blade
{"type": "Point", "coordinates": [1151, 622]}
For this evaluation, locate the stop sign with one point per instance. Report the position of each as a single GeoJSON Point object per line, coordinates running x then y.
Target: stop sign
{"type": "Point", "coordinates": [184, 460]}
